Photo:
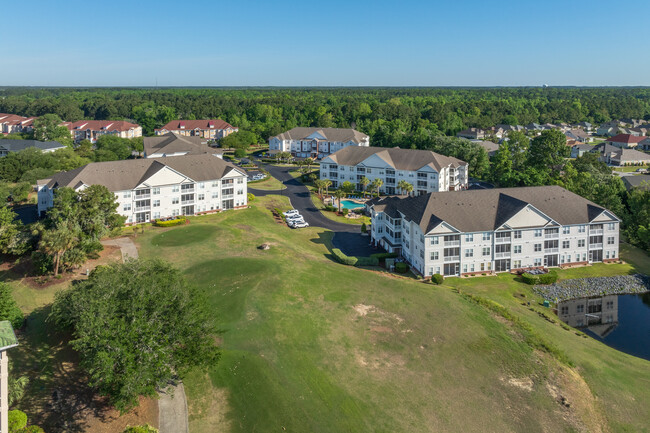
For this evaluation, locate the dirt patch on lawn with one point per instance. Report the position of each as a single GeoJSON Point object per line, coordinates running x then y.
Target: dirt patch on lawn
{"type": "Point", "coordinates": [363, 309]}
{"type": "Point", "coordinates": [524, 383]}
{"type": "Point", "coordinates": [209, 413]}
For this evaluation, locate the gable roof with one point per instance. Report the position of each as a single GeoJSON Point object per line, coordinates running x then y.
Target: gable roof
{"type": "Point", "coordinates": [631, 155]}
{"type": "Point", "coordinates": [625, 138]}
{"type": "Point", "coordinates": [185, 125]}
{"type": "Point", "coordinates": [100, 125]}
{"type": "Point", "coordinates": [171, 143]}
{"type": "Point", "coordinates": [128, 174]}
{"type": "Point", "coordinates": [489, 209]}
{"type": "Point", "coordinates": [11, 145]}
{"type": "Point", "coordinates": [14, 119]}
{"type": "Point", "coordinates": [329, 134]}
{"type": "Point", "coordinates": [400, 159]}
{"type": "Point", "coordinates": [638, 181]}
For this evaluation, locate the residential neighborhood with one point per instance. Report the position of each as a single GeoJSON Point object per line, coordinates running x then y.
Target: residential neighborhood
{"type": "Point", "coordinates": [91, 130]}
{"type": "Point", "coordinates": [213, 129]}
{"type": "Point", "coordinates": [317, 143]}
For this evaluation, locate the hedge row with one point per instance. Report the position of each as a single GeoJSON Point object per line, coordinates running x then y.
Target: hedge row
{"type": "Point", "coordinates": [354, 261]}
{"type": "Point", "coordinates": [170, 223]}
{"type": "Point", "coordinates": [531, 279]}
{"type": "Point", "coordinates": [382, 256]}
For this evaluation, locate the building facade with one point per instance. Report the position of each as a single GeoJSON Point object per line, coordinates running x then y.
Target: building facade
{"type": "Point", "coordinates": [14, 124]}
{"type": "Point", "coordinates": [211, 129]}
{"type": "Point", "coordinates": [93, 129]}
{"type": "Point", "coordinates": [316, 142]}
{"type": "Point", "coordinates": [9, 145]}
{"type": "Point", "coordinates": [497, 230]}
{"type": "Point", "coordinates": [148, 189]}
{"type": "Point", "coordinates": [427, 171]}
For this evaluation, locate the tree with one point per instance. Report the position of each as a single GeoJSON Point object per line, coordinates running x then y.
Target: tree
{"type": "Point", "coordinates": [518, 145]}
{"type": "Point", "coordinates": [326, 184]}
{"type": "Point", "coordinates": [364, 184]}
{"type": "Point", "coordinates": [239, 140]}
{"type": "Point", "coordinates": [501, 167]}
{"type": "Point", "coordinates": [548, 150]}
{"type": "Point", "coordinates": [319, 184]}
{"type": "Point", "coordinates": [376, 184]}
{"type": "Point", "coordinates": [405, 187]}
{"type": "Point", "coordinates": [339, 194]}
{"type": "Point", "coordinates": [136, 325]}
{"type": "Point", "coordinates": [347, 187]}
{"type": "Point", "coordinates": [48, 128]}
{"type": "Point", "coordinates": [13, 239]}
{"type": "Point", "coordinates": [121, 147]}
{"type": "Point", "coordinates": [9, 309]}
{"type": "Point", "coordinates": [55, 242]}
{"type": "Point", "coordinates": [20, 192]}
{"type": "Point", "coordinates": [308, 162]}
{"type": "Point", "coordinates": [240, 153]}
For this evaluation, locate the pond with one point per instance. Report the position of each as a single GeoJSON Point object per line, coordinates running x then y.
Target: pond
{"type": "Point", "coordinates": [619, 321]}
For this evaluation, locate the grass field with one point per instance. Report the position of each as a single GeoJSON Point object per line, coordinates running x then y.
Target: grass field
{"type": "Point", "coordinates": [270, 183]}
{"type": "Point", "coordinates": [311, 345]}
{"type": "Point", "coordinates": [631, 168]}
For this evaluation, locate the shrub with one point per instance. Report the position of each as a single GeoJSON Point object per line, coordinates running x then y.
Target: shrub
{"type": "Point", "coordinates": [250, 197]}
{"type": "Point", "coordinates": [43, 263]}
{"type": "Point", "coordinates": [330, 208]}
{"type": "Point", "coordinates": [240, 153]}
{"type": "Point", "coordinates": [17, 421]}
{"type": "Point", "coordinates": [171, 223]}
{"type": "Point", "coordinates": [367, 261]}
{"type": "Point", "coordinates": [342, 258]}
{"type": "Point", "coordinates": [364, 229]}
{"type": "Point", "coordinates": [141, 429]}
{"type": "Point", "coordinates": [401, 267]}
{"type": "Point", "coordinates": [437, 279]}
{"type": "Point", "coordinates": [383, 256]}
{"type": "Point", "coordinates": [529, 278]}
{"type": "Point", "coordinates": [34, 429]}
{"type": "Point", "coordinates": [549, 278]}
{"type": "Point", "coordinates": [345, 211]}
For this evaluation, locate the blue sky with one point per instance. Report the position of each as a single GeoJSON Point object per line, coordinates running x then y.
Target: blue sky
{"type": "Point", "coordinates": [329, 43]}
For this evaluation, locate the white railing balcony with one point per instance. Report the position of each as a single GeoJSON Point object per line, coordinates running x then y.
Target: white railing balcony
{"type": "Point", "coordinates": [503, 255]}
{"type": "Point", "coordinates": [187, 191]}
{"type": "Point", "coordinates": [452, 259]}
{"type": "Point", "coordinates": [142, 196]}
{"type": "Point", "coordinates": [551, 250]}
{"type": "Point", "coordinates": [226, 196]}
{"type": "Point", "coordinates": [142, 209]}
{"type": "Point", "coordinates": [187, 201]}
{"type": "Point", "coordinates": [452, 243]}
{"type": "Point", "coordinates": [502, 240]}
{"type": "Point", "coordinates": [596, 232]}
{"type": "Point", "coordinates": [595, 246]}
{"type": "Point", "coordinates": [552, 236]}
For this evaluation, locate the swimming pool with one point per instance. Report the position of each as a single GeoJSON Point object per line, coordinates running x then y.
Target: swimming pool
{"type": "Point", "coordinates": [349, 204]}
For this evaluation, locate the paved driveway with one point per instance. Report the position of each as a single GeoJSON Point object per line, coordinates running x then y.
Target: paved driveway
{"type": "Point", "coordinates": [347, 237]}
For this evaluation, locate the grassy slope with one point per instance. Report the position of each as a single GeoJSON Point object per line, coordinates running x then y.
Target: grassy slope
{"type": "Point", "coordinates": [299, 356]}
{"type": "Point", "coordinates": [270, 183]}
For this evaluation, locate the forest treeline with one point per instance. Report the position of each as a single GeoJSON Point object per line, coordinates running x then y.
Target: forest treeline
{"type": "Point", "coordinates": [390, 116]}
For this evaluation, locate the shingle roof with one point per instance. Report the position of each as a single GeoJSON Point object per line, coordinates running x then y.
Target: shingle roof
{"type": "Point", "coordinates": [171, 143]}
{"type": "Point", "coordinates": [637, 181]}
{"type": "Point", "coordinates": [12, 145]}
{"type": "Point", "coordinates": [400, 159]}
{"type": "Point", "coordinates": [100, 125]}
{"type": "Point", "coordinates": [625, 138]}
{"type": "Point", "coordinates": [127, 174]}
{"type": "Point", "coordinates": [330, 134]}
{"type": "Point", "coordinates": [489, 209]}
{"type": "Point", "coordinates": [632, 155]}
{"type": "Point", "coordinates": [184, 125]}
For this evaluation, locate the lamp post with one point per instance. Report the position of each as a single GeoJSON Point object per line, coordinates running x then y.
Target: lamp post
{"type": "Point", "coordinates": [7, 341]}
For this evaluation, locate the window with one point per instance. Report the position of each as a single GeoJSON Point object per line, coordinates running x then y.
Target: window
{"type": "Point", "coordinates": [469, 237]}
{"type": "Point", "coordinates": [215, 194]}
{"type": "Point", "coordinates": [581, 243]}
{"type": "Point", "coordinates": [517, 249]}
{"type": "Point", "coordinates": [565, 309]}
{"type": "Point", "coordinates": [434, 255]}
{"type": "Point", "coordinates": [566, 230]}
{"type": "Point", "coordinates": [369, 170]}
{"type": "Point", "coordinates": [486, 251]}
{"type": "Point", "coordinates": [580, 308]}
{"type": "Point", "coordinates": [435, 240]}
{"type": "Point", "coordinates": [607, 254]}
{"type": "Point", "coordinates": [516, 264]}
{"type": "Point", "coordinates": [175, 188]}
{"type": "Point", "coordinates": [201, 197]}
{"type": "Point", "coordinates": [240, 191]}
{"type": "Point", "coordinates": [175, 200]}
{"type": "Point", "coordinates": [581, 229]}
{"type": "Point", "coordinates": [611, 226]}
{"type": "Point", "coordinates": [201, 185]}
{"type": "Point", "coordinates": [464, 268]}
{"type": "Point", "coordinates": [240, 180]}
{"type": "Point", "coordinates": [610, 240]}
{"type": "Point", "coordinates": [537, 262]}
{"type": "Point", "coordinates": [568, 258]}
{"type": "Point", "coordinates": [156, 191]}
{"type": "Point", "coordinates": [215, 183]}
{"type": "Point", "coordinates": [422, 239]}
{"type": "Point", "coordinates": [487, 236]}
{"type": "Point", "coordinates": [127, 206]}
{"type": "Point", "coordinates": [566, 244]}
{"type": "Point", "coordinates": [517, 234]}
{"type": "Point", "coordinates": [469, 252]}
{"type": "Point", "coordinates": [156, 203]}
{"type": "Point", "coordinates": [156, 215]}
{"type": "Point", "coordinates": [609, 305]}
{"type": "Point", "coordinates": [538, 233]}
{"type": "Point", "coordinates": [127, 194]}
{"type": "Point", "coordinates": [437, 269]}
{"type": "Point", "coordinates": [538, 248]}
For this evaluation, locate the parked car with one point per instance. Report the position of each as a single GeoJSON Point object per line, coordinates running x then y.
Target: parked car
{"type": "Point", "coordinates": [299, 225]}
{"type": "Point", "coordinates": [298, 219]}
{"type": "Point", "coordinates": [290, 213]}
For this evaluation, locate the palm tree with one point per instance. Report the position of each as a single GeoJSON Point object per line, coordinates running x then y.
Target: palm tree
{"type": "Point", "coordinates": [364, 183]}
{"type": "Point", "coordinates": [400, 186]}
{"type": "Point", "coordinates": [339, 194]}
{"type": "Point", "coordinates": [55, 242]}
{"type": "Point", "coordinates": [308, 162]}
{"type": "Point", "coordinates": [408, 188]}
{"type": "Point", "coordinates": [319, 184]}
{"type": "Point", "coordinates": [326, 184]}
{"type": "Point", "coordinates": [376, 184]}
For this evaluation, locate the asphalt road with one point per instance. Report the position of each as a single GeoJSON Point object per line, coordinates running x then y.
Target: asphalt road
{"type": "Point", "coordinates": [347, 237]}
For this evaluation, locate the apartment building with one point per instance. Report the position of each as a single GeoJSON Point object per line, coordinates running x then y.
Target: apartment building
{"type": "Point", "coordinates": [93, 129]}
{"type": "Point", "coordinates": [211, 129]}
{"type": "Point", "coordinates": [317, 142]}
{"type": "Point", "coordinates": [427, 171]}
{"type": "Point", "coordinates": [148, 189]}
{"type": "Point", "coordinates": [494, 230]}
{"type": "Point", "coordinates": [14, 124]}
{"type": "Point", "coordinates": [9, 145]}
{"type": "Point", "coordinates": [172, 144]}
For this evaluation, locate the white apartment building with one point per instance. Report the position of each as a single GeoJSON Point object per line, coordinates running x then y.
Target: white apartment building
{"type": "Point", "coordinates": [316, 142]}
{"type": "Point", "coordinates": [494, 230]}
{"type": "Point", "coordinates": [427, 171]}
{"type": "Point", "coordinates": [148, 189]}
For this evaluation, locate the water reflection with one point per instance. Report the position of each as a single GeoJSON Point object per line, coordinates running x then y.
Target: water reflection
{"type": "Point", "coordinates": [620, 321]}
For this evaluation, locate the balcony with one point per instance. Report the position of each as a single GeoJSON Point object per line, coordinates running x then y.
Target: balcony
{"type": "Point", "coordinates": [503, 255]}
{"type": "Point", "coordinates": [187, 190]}
{"type": "Point", "coordinates": [551, 236]}
{"type": "Point", "coordinates": [596, 232]}
{"type": "Point", "coordinates": [595, 246]}
{"type": "Point", "coordinates": [452, 259]}
{"type": "Point", "coordinates": [551, 250]}
{"type": "Point", "coordinates": [184, 202]}
{"type": "Point", "coordinates": [227, 196]}
{"type": "Point", "coordinates": [142, 196]}
{"type": "Point", "coordinates": [452, 243]}
{"type": "Point", "coordinates": [502, 240]}
{"type": "Point", "coordinates": [142, 209]}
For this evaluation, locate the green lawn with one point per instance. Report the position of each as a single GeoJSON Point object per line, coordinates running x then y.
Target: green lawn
{"type": "Point", "coordinates": [270, 183]}
{"type": "Point", "coordinates": [313, 346]}
{"type": "Point", "coordinates": [631, 169]}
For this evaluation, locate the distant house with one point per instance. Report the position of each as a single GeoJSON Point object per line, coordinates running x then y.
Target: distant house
{"type": "Point", "coordinates": [172, 144]}
{"type": "Point", "coordinates": [9, 145]}
{"type": "Point", "coordinates": [534, 127]}
{"type": "Point", "coordinates": [210, 129]}
{"type": "Point", "coordinates": [644, 144]}
{"type": "Point", "coordinates": [472, 134]}
{"type": "Point", "coordinates": [580, 149]}
{"type": "Point", "coordinates": [641, 181]}
{"type": "Point", "coordinates": [14, 124]}
{"type": "Point", "coordinates": [586, 126]}
{"type": "Point", "coordinates": [316, 142]}
{"type": "Point", "coordinates": [93, 129]}
{"type": "Point", "coordinates": [625, 140]}
{"type": "Point", "coordinates": [490, 147]}
{"type": "Point", "coordinates": [620, 157]}
{"type": "Point", "coordinates": [578, 136]}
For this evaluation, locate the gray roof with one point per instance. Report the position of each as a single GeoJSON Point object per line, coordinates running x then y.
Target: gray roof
{"type": "Point", "coordinates": [489, 146]}
{"type": "Point", "coordinates": [637, 181]}
{"type": "Point", "coordinates": [400, 159]}
{"type": "Point", "coordinates": [129, 173]}
{"type": "Point", "coordinates": [331, 134]}
{"type": "Point", "coordinates": [489, 209]}
{"type": "Point", "coordinates": [13, 145]}
{"type": "Point", "coordinates": [632, 155]}
{"type": "Point", "coordinates": [172, 143]}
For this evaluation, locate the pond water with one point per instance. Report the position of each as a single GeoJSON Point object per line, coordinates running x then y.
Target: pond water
{"type": "Point", "coordinates": [619, 321]}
